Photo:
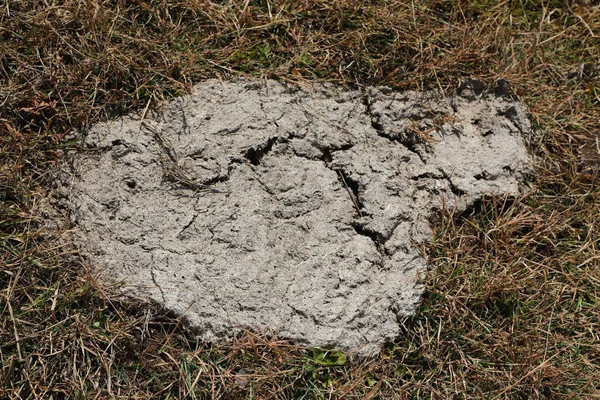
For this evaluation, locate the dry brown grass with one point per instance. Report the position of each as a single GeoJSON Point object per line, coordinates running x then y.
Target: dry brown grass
{"type": "Point", "coordinates": [512, 309]}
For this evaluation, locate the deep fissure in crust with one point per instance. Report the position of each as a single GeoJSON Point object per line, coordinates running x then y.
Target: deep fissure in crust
{"type": "Point", "coordinates": [411, 142]}
{"type": "Point", "coordinates": [255, 154]}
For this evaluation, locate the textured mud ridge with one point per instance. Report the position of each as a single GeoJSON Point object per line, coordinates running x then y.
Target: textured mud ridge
{"type": "Point", "coordinates": [261, 206]}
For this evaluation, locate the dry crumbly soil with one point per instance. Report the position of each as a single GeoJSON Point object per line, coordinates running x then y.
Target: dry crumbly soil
{"type": "Point", "coordinates": [258, 205]}
{"type": "Point", "coordinates": [512, 310]}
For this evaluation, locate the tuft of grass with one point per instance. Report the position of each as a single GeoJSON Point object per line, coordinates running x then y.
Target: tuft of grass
{"type": "Point", "coordinates": [510, 312]}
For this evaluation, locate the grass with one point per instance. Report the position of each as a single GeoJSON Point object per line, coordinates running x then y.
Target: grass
{"type": "Point", "coordinates": [511, 312]}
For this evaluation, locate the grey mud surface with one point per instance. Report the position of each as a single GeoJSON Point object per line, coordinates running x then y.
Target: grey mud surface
{"type": "Point", "coordinates": [284, 210]}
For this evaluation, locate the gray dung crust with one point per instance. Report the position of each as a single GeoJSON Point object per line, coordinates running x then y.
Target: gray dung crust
{"type": "Point", "coordinates": [285, 210]}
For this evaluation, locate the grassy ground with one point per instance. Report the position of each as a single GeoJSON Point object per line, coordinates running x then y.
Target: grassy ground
{"type": "Point", "coordinates": [512, 309]}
